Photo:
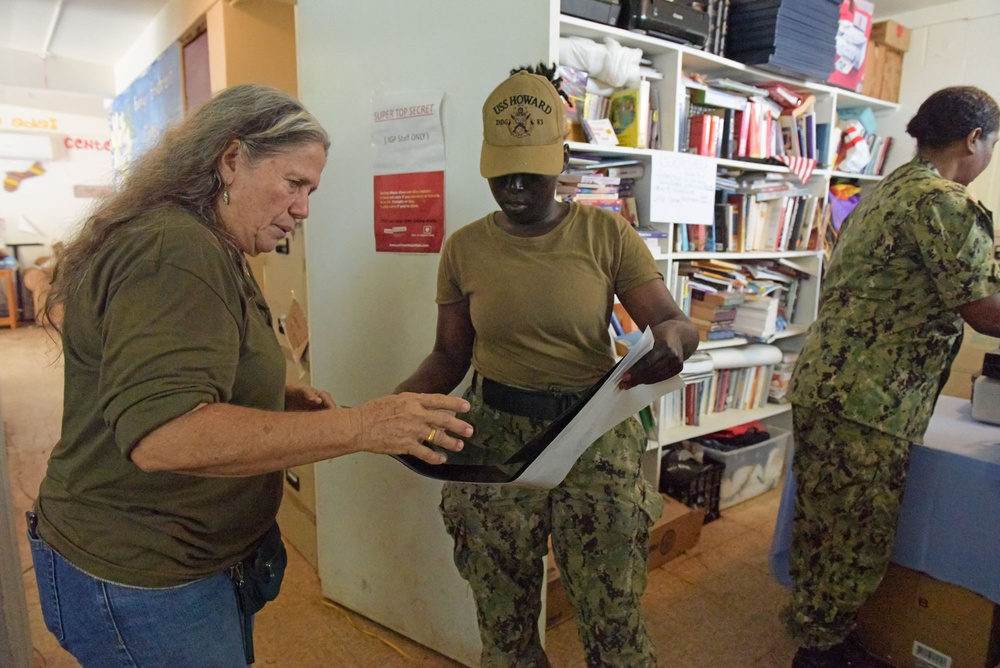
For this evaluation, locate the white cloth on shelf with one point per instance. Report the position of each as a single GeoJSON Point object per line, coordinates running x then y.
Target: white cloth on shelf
{"type": "Point", "coordinates": [610, 62]}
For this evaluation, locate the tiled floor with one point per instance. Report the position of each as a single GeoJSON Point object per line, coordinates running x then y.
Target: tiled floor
{"type": "Point", "coordinates": [714, 607]}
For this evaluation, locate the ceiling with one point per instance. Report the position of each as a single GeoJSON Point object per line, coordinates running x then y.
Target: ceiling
{"type": "Point", "coordinates": [100, 32]}
{"type": "Point", "coordinates": [90, 31]}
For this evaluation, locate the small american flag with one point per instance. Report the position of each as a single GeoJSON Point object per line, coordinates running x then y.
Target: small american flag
{"type": "Point", "coordinates": [801, 167]}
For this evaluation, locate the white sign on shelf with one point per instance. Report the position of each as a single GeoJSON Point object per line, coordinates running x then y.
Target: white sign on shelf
{"type": "Point", "coordinates": [682, 188]}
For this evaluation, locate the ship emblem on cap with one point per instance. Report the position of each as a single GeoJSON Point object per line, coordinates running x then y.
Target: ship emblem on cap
{"type": "Point", "coordinates": [521, 123]}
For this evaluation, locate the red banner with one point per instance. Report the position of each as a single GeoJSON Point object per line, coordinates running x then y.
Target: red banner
{"type": "Point", "coordinates": [409, 212]}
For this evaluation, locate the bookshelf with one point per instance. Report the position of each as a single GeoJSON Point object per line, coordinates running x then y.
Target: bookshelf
{"type": "Point", "coordinates": [675, 62]}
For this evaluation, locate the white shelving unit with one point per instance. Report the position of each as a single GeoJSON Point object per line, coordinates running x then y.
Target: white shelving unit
{"type": "Point", "coordinates": [673, 61]}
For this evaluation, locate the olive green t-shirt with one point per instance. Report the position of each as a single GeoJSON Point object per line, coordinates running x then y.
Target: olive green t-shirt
{"type": "Point", "coordinates": [160, 324]}
{"type": "Point", "coordinates": [915, 249]}
{"type": "Point", "coordinates": [541, 305]}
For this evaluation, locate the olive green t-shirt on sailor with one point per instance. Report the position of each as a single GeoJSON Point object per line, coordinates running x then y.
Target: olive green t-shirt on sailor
{"type": "Point", "coordinates": [540, 305]}
{"type": "Point", "coordinates": [161, 324]}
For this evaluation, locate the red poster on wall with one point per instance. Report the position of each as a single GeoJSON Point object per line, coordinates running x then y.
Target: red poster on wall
{"type": "Point", "coordinates": [409, 212]}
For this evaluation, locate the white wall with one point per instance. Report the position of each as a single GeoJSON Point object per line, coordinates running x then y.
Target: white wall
{"type": "Point", "coordinates": [82, 158]}
{"type": "Point", "coordinates": [383, 549]}
{"type": "Point", "coordinates": [952, 44]}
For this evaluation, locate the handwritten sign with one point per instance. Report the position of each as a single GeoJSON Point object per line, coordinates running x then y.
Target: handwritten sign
{"type": "Point", "coordinates": [682, 189]}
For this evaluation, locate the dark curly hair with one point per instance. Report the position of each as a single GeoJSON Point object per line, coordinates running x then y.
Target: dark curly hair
{"type": "Point", "coordinates": [951, 114]}
{"type": "Point", "coordinates": [547, 71]}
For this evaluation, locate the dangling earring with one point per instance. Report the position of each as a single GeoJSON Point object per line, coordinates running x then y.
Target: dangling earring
{"type": "Point", "coordinates": [225, 195]}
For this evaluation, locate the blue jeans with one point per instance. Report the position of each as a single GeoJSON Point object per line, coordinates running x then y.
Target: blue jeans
{"type": "Point", "coordinates": [109, 625]}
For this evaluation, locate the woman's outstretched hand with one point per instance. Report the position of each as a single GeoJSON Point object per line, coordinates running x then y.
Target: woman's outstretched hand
{"type": "Point", "coordinates": [400, 424]}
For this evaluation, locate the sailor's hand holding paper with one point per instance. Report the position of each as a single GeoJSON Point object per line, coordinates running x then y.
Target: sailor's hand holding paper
{"type": "Point", "coordinates": [674, 336]}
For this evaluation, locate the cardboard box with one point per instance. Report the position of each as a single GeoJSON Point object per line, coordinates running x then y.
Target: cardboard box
{"type": "Point", "coordinates": [915, 621]}
{"type": "Point", "coordinates": [891, 34]}
{"type": "Point", "coordinates": [968, 362]}
{"type": "Point", "coordinates": [883, 71]}
{"type": "Point", "coordinates": [677, 531]}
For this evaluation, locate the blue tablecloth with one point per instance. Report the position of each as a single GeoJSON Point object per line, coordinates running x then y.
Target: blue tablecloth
{"type": "Point", "coordinates": [949, 523]}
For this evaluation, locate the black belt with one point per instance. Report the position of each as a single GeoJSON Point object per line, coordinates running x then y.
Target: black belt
{"type": "Point", "coordinates": [526, 403]}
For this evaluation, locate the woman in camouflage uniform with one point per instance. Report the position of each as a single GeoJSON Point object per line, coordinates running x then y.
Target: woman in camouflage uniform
{"type": "Point", "coordinates": [913, 261]}
{"type": "Point", "coordinates": [525, 296]}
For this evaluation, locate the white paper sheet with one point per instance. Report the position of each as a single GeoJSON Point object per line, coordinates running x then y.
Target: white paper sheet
{"type": "Point", "coordinates": [407, 135]}
{"type": "Point", "coordinates": [682, 188]}
{"type": "Point", "coordinates": [609, 406]}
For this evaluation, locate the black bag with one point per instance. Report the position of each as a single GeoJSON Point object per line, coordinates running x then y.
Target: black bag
{"type": "Point", "coordinates": [257, 580]}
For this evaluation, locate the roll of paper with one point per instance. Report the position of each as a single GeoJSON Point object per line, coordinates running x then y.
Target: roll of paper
{"type": "Point", "coordinates": [755, 354]}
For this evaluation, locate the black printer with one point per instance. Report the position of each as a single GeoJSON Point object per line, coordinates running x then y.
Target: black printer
{"type": "Point", "coordinates": [684, 21]}
{"type": "Point", "coordinates": [602, 11]}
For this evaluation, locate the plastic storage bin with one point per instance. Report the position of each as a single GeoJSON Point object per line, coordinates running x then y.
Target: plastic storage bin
{"type": "Point", "coordinates": [695, 488]}
{"type": "Point", "coordinates": [753, 469]}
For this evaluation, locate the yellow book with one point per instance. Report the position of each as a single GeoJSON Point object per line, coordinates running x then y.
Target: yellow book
{"type": "Point", "coordinates": [629, 114]}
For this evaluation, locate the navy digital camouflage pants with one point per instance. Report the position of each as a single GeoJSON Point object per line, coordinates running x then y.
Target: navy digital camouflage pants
{"type": "Point", "coordinates": [849, 481]}
{"type": "Point", "coordinates": [599, 519]}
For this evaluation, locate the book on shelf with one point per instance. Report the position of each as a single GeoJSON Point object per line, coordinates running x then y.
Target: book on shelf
{"type": "Point", "coordinates": [625, 321]}
{"type": "Point", "coordinates": [653, 139]}
{"type": "Point", "coordinates": [790, 136]}
{"type": "Point", "coordinates": [629, 115]}
{"type": "Point", "coordinates": [630, 211]}
{"type": "Point", "coordinates": [822, 144]}
{"type": "Point", "coordinates": [711, 314]}
{"type": "Point", "coordinates": [573, 83]}
{"type": "Point", "coordinates": [700, 134]}
{"type": "Point", "coordinates": [600, 131]}
{"type": "Point", "coordinates": [714, 97]}
{"type": "Point", "coordinates": [648, 232]}
{"type": "Point", "coordinates": [725, 143]}
{"type": "Point", "coordinates": [781, 376]}
{"type": "Point", "coordinates": [757, 317]}
{"type": "Point", "coordinates": [724, 226]}
{"type": "Point", "coordinates": [587, 163]}
{"type": "Point", "coordinates": [717, 264]}
{"type": "Point", "coordinates": [745, 89]}
{"type": "Point", "coordinates": [723, 298]}
{"type": "Point", "coordinates": [786, 97]}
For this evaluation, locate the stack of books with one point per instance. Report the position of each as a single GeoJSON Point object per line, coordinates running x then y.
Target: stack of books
{"type": "Point", "coordinates": [757, 317]}
{"type": "Point", "coordinates": [795, 38]}
{"type": "Point", "coordinates": [781, 377]}
{"type": "Point", "coordinates": [714, 313]}
{"type": "Point", "coordinates": [606, 192]}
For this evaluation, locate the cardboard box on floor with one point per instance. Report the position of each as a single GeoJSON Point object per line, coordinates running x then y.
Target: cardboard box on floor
{"type": "Point", "coordinates": [677, 531]}
{"type": "Point", "coordinates": [915, 621]}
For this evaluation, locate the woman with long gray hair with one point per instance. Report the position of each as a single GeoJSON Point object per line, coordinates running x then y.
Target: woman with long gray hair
{"type": "Point", "coordinates": [153, 536]}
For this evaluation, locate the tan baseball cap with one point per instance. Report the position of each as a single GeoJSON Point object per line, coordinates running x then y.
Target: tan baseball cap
{"type": "Point", "coordinates": [524, 127]}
